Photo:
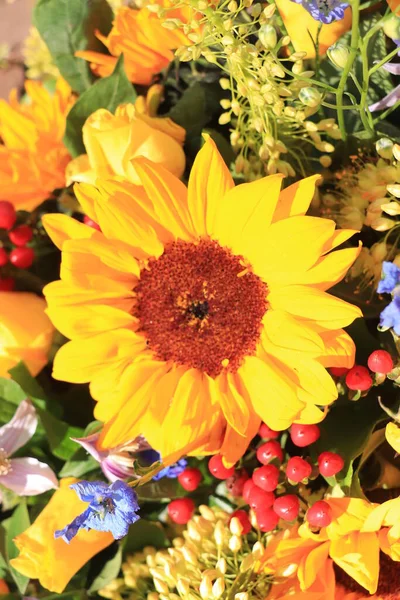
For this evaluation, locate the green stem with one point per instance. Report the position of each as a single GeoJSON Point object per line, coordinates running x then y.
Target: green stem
{"type": "Point", "coordinates": [387, 112]}
{"type": "Point", "coordinates": [365, 115]}
{"type": "Point", "coordinates": [383, 61]}
{"type": "Point", "coordinates": [355, 34]}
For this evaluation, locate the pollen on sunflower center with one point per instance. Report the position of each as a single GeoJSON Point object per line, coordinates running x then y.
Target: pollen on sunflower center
{"type": "Point", "coordinates": [196, 308]}
{"type": "Point", "coordinates": [388, 583]}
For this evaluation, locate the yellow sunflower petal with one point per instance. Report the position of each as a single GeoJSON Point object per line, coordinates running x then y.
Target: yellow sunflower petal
{"type": "Point", "coordinates": [61, 228]}
{"type": "Point", "coordinates": [235, 407]}
{"type": "Point", "coordinates": [310, 415]}
{"type": "Point", "coordinates": [209, 181]}
{"type": "Point", "coordinates": [311, 564]}
{"type": "Point", "coordinates": [340, 350]}
{"type": "Point", "coordinates": [101, 291]}
{"type": "Point", "coordinates": [285, 331]}
{"type": "Point", "coordinates": [315, 305]}
{"type": "Point", "coordinates": [244, 214]}
{"type": "Point", "coordinates": [358, 555]}
{"type": "Point", "coordinates": [86, 195]}
{"type": "Point", "coordinates": [88, 319]}
{"type": "Point", "coordinates": [296, 199]}
{"type": "Point", "coordinates": [235, 444]}
{"type": "Point", "coordinates": [392, 433]}
{"type": "Point", "coordinates": [339, 237]}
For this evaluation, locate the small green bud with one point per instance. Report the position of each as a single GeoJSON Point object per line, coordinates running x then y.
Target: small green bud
{"type": "Point", "coordinates": [338, 54]}
{"type": "Point", "coordinates": [384, 148]}
{"type": "Point", "coordinates": [268, 36]}
{"type": "Point", "coordinates": [310, 97]}
{"type": "Point", "coordinates": [391, 27]}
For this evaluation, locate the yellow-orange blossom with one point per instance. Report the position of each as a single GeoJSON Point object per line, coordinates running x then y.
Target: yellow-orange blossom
{"type": "Point", "coordinates": [198, 312]}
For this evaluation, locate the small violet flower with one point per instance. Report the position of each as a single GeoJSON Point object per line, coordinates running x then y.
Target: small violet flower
{"type": "Point", "coordinates": [324, 11]}
{"type": "Point", "coordinates": [24, 476]}
{"type": "Point", "coordinates": [390, 316]}
{"type": "Point", "coordinates": [390, 278]}
{"type": "Point", "coordinates": [394, 95]}
{"type": "Point", "coordinates": [171, 472]}
{"type": "Point", "coordinates": [111, 508]}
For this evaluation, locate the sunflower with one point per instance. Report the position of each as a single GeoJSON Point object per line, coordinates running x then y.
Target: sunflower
{"type": "Point", "coordinates": [197, 312]}
{"type": "Point", "coordinates": [362, 540]}
{"type": "Point", "coordinates": [33, 157]}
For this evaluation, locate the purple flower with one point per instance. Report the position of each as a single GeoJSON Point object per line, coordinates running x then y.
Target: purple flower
{"type": "Point", "coordinates": [390, 316]}
{"type": "Point", "coordinates": [173, 471]}
{"type": "Point", "coordinates": [111, 508]}
{"type": "Point", "coordinates": [325, 11]}
{"type": "Point", "coordinates": [390, 278]}
{"type": "Point", "coordinates": [24, 476]}
{"type": "Point", "coordinates": [392, 97]}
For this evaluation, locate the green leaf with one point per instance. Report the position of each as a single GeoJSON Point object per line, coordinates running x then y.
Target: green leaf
{"type": "Point", "coordinates": [145, 533]}
{"type": "Point", "coordinates": [107, 93]}
{"type": "Point", "coordinates": [73, 595]}
{"type": "Point", "coordinates": [68, 26]}
{"type": "Point", "coordinates": [79, 464]}
{"type": "Point", "coordinates": [17, 524]}
{"type": "Point", "coordinates": [162, 490]}
{"type": "Point", "coordinates": [104, 567]}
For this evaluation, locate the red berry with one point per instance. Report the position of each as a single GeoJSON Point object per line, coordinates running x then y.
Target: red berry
{"type": "Point", "coordinates": [380, 361]}
{"type": "Point", "coordinates": [181, 510]}
{"type": "Point", "coordinates": [218, 469]}
{"type": "Point", "coordinates": [22, 258]}
{"type": "Point", "coordinates": [320, 514]}
{"type": "Point", "coordinates": [8, 216]}
{"type": "Point", "coordinates": [7, 284]}
{"type": "Point", "coordinates": [267, 519]}
{"type": "Point", "coordinates": [260, 499]}
{"type": "Point", "coordinates": [358, 378]}
{"type": "Point", "coordinates": [338, 371]}
{"type": "Point", "coordinates": [330, 463]}
{"type": "Point", "coordinates": [269, 451]}
{"type": "Point", "coordinates": [190, 479]}
{"type": "Point", "coordinates": [267, 433]}
{"type": "Point", "coordinates": [244, 520]}
{"type": "Point", "coordinates": [304, 435]}
{"type": "Point", "coordinates": [287, 507]}
{"type": "Point", "coordinates": [247, 488]}
{"type": "Point", "coordinates": [266, 477]}
{"type": "Point", "coordinates": [235, 484]}
{"type": "Point", "coordinates": [90, 223]}
{"type": "Point", "coordinates": [3, 257]}
{"type": "Point", "coordinates": [298, 469]}
{"type": "Point", "coordinates": [21, 235]}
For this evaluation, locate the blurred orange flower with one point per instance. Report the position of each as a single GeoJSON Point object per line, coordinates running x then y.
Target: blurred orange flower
{"type": "Point", "coordinates": [32, 156]}
{"type": "Point", "coordinates": [25, 332]}
{"type": "Point", "coordinates": [50, 560]}
{"type": "Point", "coordinates": [139, 35]}
{"type": "Point", "coordinates": [302, 28]}
{"type": "Point", "coordinates": [4, 589]}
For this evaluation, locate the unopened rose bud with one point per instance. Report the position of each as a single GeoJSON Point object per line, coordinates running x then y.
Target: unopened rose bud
{"type": "Point", "coordinates": [310, 97]}
{"type": "Point", "coordinates": [338, 54]}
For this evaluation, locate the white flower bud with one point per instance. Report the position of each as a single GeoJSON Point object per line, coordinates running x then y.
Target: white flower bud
{"type": "Point", "coordinates": [338, 54]}
{"type": "Point", "coordinates": [310, 97]}
{"type": "Point", "coordinates": [394, 189]}
{"type": "Point", "coordinates": [267, 36]}
{"type": "Point", "coordinates": [219, 587]}
{"type": "Point", "coordinates": [205, 587]}
{"type": "Point", "coordinates": [396, 151]}
{"type": "Point", "coordinates": [225, 83]}
{"type": "Point", "coordinates": [325, 161]}
{"type": "Point", "coordinates": [382, 224]}
{"type": "Point", "coordinates": [384, 148]}
{"type": "Point", "coordinates": [391, 208]}
{"type": "Point", "coordinates": [235, 543]}
{"type": "Point", "coordinates": [391, 27]}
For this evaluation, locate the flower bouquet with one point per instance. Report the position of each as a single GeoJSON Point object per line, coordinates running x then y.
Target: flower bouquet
{"type": "Point", "coordinates": [200, 302]}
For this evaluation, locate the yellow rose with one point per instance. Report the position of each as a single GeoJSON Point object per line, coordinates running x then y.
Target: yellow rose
{"type": "Point", "coordinates": [53, 561]}
{"type": "Point", "coordinates": [25, 332]}
{"type": "Point", "coordinates": [113, 141]}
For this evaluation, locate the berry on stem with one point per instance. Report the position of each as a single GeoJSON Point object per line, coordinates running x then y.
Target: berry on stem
{"type": "Point", "coordinates": [243, 517]}
{"type": "Point", "coordinates": [3, 257]}
{"type": "Point", "coordinates": [266, 477]}
{"type": "Point", "coordinates": [359, 378]}
{"type": "Point", "coordinates": [338, 371]}
{"type": "Point", "coordinates": [320, 514]}
{"type": "Point", "coordinates": [218, 469]}
{"type": "Point", "coordinates": [287, 507]}
{"type": "Point", "coordinates": [247, 488]}
{"type": "Point", "coordinates": [21, 235]}
{"type": "Point", "coordinates": [304, 435]}
{"type": "Point", "coordinates": [8, 215]}
{"type": "Point", "coordinates": [267, 433]}
{"type": "Point", "coordinates": [267, 519]}
{"type": "Point", "coordinates": [190, 479]}
{"type": "Point", "coordinates": [22, 258]}
{"type": "Point", "coordinates": [181, 510]}
{"type": "Point", "coordinates": [380, 361]}
{"type": "Point", "coordinates": [298, 469]}
{"type": "Point", "coordinates": [330, 463]}
{"type": "Point", "coordinates": [259, 499]}
{"type": "Point", "coordinates": [269, 451]}
{"type": "Point", "coordinates": [235, 484]}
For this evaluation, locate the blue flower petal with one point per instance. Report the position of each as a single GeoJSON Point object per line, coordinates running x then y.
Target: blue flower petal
{"type": "Point", "coordinates": [390, 278]}
{"type": "Point", "coordinates": [72, 529]}
{"type": "Point", "coordinates": [324, 11]}
{"type": "Point", "coordinates": [88, 490]}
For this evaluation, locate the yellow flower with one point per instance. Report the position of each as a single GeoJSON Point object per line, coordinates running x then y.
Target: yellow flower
{"type": "Point", "coordinates": [301, 27]}
{"type": "Point", "coordinates": [50, 560]}
{"type": "Point", "coordinates": [37, 57]}
{"type": "Point", "coordinates": [392, 433]}
{"type": "Point", "coordinates": [33, 158]}
{"type": "Point", "coordinates": [358, 533]}
{"type": "Point", "coordinates": [139, 35]}
{"type": "Point", "coordinates": [198, 312]}
{"type": "Point", "coordinates": [113, 141]}
{"type": "Point", "coordinates": [25, 332]}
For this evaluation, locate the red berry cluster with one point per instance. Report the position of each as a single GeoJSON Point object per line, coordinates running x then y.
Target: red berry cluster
{"type": "Point", "coordinates": [21, 256]}
{"type": "Point", "coordinates": [359, 378]}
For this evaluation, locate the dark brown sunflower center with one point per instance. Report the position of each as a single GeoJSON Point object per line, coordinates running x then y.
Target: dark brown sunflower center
{"type": "Point", "coordinates": [388, 584]}
{"type": "Point", "coordinates": [199, 306]}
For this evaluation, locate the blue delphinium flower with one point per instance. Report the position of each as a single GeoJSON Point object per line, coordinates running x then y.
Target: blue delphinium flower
{"type": "Point", "coordinates": [111, 508]}
{"type": "Point", "coordinates": [324, 11]}
{"type": "Point", "coordinates": [171, 472]}
{"type": "Point", "coordinates": [390, 278]}
{"type": "Point", "coordinates": [390, 316]}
